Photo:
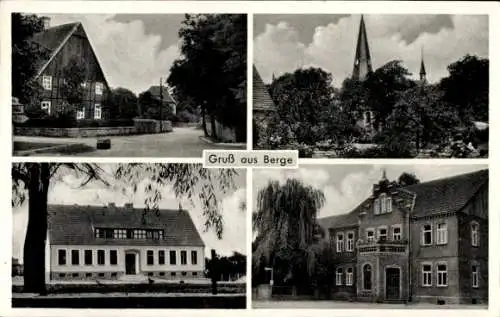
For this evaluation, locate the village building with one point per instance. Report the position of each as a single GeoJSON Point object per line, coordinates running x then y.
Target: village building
{"type": "Point", "coordinates": [426, 242]}
{"type": "Point", "coordinates": [264, 108]}
{"type": "Point", "coordinates": [122, 243]}
{"type": "Point", "coordinates": [162, 95]}
{"type": "Point", "coordinates": [64, 44]}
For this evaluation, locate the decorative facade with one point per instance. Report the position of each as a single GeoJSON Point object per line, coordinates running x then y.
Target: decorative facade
{"type": "Point", "coordinates": [122, 243]}
{"type": "Point", "coordinates": [424, 242]}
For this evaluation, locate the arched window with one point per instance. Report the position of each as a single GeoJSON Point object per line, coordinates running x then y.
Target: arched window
{"type": "Point", "coordinates": [367, 277]}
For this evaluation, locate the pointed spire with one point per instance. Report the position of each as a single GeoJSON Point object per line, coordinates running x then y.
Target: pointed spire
{"type": "Point", "coordinates": [422, 66]}
{"type": "Point", "coordinates": [362, 59]}
{"type": "Point", "coordinates": [273, 78]}
{"type": "Point", "coordinates": [384, 176]}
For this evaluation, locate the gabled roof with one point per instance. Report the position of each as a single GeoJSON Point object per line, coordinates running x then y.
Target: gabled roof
{"type": "Point", "coordinates": [261, 99]}
{"type": "Point", "coordinates": [439, 196]}
{"type": "Point", "coordinates": [73, 225]}
{"type": "Point", "coordinates": [155, 91]}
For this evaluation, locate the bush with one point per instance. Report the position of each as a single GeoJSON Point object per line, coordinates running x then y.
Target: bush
{"type": "Point", "coordinates": [67, 122]}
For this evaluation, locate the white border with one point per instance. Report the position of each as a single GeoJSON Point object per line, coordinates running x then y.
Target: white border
{"type": "Point", "coordinates": [250, 7]}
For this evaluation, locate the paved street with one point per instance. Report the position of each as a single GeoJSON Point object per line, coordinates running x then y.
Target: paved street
{"type": "Point", "coordinates": [330, 304]}
{"type": "Point", "coordinates": [182, 142]}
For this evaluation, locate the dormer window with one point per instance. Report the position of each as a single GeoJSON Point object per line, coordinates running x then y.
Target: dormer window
{"type": "Point", "coordinates": [47, 82]}
{"type": "Point", "coordinates": [383, 204]}
{"type": "Point", "coordinates": [376, 206]}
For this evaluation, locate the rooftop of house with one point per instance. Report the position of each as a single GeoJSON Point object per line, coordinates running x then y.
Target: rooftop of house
{"type": "Point", "coordinates": [155, 92]}
{"type": "Point", "coordinates": [261, 99]}
{"type": "Point", "coordinates": [444, 195]}
{"type": "Point", "coordinates": [75, 224]}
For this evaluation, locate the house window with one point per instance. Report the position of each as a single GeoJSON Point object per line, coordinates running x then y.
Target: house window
{"type": "Point", "coordinates": [338, 276]}
{"type": "Point", "coordinates": [442, 275]}
{"type": "Point", "coordinates": [382, 234]}
{"type": "Point", "coordinates": [367, 277]}
{"type": "Point", "coordinates": [194, 257]}
{"type": "Point", "coordinates": [150, 257]}
{"type": "Point", "coordinates": [426, 274]}
{"type": "Point", "coordinates": [183, 257]}
{"type": "Point", "coordinates": [376, 206]}
{"type": "Point", "coordinates": [161, 234]}
{"type": "Point", "coordinates": [340, 242]}
{"type": "Point", "coordinates": [61, 255]}
{"type": "Point", "coordinates": [427, 234]}
{"type": "Point", "coordinates": [139, 234]}
{"type": "Point", "coordinates": [98, 233]}
{"type": "Point", "coordinates": [113, 257]}
{"type": "Point", "coordinates": [350, 242]}
{"type": "Point", "coordinates": [80, 113]}
{"type": "Point", "coordinates": [75, 257]}
{"type": "Point", "coordinates": [396, 233]}
{"type": "Point", "coordinates": [382, 199]}
{"type": "Point", "coordinates": [84, 84]}
{"type": "Point", "coordinates": [119, 233]}
{"type": "Point", "coordinates": [100, 257]}
{"type": "Point", "coordinates": [370, 235]}
{"type": "Point", "coordinates": [388, 204]}
{"type": "Point", "coordinates": [172, 274]}
{"type": "Point", "coordinates": [173, 258]}
{"type": "Point", "coordinates": [349, 277]}
{"type": "Point", "coordinates": [47, 82]}
{"type": "Point", "coordinates": [161, 257]}
{"type": "Point", "coordinates": [156, 235]}
{"type": "Point", "coordinates": [88, 257]}
{"type": "Point", "coordinates": [475, 276]}
{"type": "Point", "coordinates": [97, 111]}
{"type": "Point", "coordinates": [98, 89]}
{"type": "Point", "coordinates": [442, 233]}
{"type": "Point", "coordinates": [45, 105]}
{"type": "Point", "coordinates": [474, 229]}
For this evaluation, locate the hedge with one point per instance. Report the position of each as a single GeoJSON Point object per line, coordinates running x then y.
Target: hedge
{"type": "Point", "coordinates": [64, 123]}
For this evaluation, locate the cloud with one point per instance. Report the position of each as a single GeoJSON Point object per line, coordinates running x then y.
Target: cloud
{"type": "Point", "coordinates": [129, 56]}
{"type": "Point", "coordinates": [443, 38]}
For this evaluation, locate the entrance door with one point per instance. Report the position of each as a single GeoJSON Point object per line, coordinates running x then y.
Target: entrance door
{"type": "Point", "coordinates": [392, 283]}
{"type": "Point", "coordinates": [129, 263]}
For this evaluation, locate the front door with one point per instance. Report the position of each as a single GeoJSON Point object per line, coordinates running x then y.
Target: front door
{"type": "Point", "coordinates": [392, 283]}
{"type": "Point", "coordinates": [130, 263]}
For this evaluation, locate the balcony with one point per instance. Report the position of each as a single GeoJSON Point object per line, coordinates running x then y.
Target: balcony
{"type": "Point", "coordinates": [382, 246]}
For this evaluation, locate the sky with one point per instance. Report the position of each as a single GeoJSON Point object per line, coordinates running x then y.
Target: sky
{"type": "Point", "coordinates": [67, 191]}
{"type": "Point", "coordinates": [283, 43]}
{"type": "Point", "coordinates": [346, 186]}
{"type": "Point", "coordinates": [134, 50]}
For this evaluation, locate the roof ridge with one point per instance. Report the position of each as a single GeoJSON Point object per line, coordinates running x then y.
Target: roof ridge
{"type": "Point", "coordinates": [445, 178]}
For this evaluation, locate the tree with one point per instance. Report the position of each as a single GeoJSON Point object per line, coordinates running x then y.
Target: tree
{"type": "Point", "coordinates": [31, 182]}
{"type": "Point", "coordinates": [71, 87]}
{"type": "Point", "coordinates": [407, 179]}
{"type": "Point", "coordinates": [467, 87]}
{"type": "Point", "coordinates": [123, 104]}
{"type": "Point", "coordinates": [26, 56]}
{"type": "Point", "coordinates": [212, 69]}
{"type": "Point", "coordinates": [286, 228]}
{"type": "Point", "coordinates": [149, 106]}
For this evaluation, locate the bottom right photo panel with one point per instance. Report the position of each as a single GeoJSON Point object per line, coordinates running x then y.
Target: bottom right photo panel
{"type": "Point", "coordinates": [371, 236]}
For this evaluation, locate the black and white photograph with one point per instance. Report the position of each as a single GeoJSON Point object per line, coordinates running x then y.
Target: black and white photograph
{"type": "Point", "coordinates": [88, 235]}
{"type": "Point", "coordinates": [371, 236]}
{"type": "Point", "coordinates": [128, 85]}
{"type": "Point", "coordinates": [372, 86]}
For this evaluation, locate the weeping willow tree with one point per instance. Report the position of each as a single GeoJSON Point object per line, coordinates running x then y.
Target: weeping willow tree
{"type": "Point", "coordinates": [31, 183]}
{"type": "Point", "coordinates": [287, 231]}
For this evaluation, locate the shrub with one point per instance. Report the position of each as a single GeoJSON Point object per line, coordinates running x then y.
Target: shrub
{"type": "Point", "coordinates": [68, 122]}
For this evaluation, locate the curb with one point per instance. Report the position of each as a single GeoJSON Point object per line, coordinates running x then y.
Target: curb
{"type": "Point", "coordinates": [207, 140]}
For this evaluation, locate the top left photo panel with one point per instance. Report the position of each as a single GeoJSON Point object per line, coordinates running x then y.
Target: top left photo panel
{"type": "Point", "coordinates": [128, 85]}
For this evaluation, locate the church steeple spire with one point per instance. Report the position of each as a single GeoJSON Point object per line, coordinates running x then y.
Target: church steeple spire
{"type": "Point", "coordinates": [422, 67]}
{"type": "Point", "coordinates": [362, 59]}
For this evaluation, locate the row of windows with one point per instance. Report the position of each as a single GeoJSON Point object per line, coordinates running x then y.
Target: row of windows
{"type": "Point", "coordinates": [349, 276]}
{"type": "Point", "coordinates": [441, 234]}
{"type": "Point", "coordinates": [47, 85]}
{"type": "Point", "coordinates": [348, 244]}
{"type": "Point", "coordinates": [155, 234]}
{"type": "Point", "coordinates": [383, 232]}
{"type": "Point", "coordinates": [382, 205]}
{"type": "Point", "coordinates": [150, 257]}
{"type": "Point", "coordinates": [441, 274]}
{"type": "Point", "coordinates": [80, 113]}
{"type": "Point", "coordinates": [114, 274]}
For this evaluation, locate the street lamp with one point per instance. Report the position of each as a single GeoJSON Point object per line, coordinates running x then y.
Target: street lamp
{"type": "Point", "coordinates": [267, 269]}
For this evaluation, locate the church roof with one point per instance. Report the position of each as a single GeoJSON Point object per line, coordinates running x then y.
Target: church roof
{"type": "Point", "coordinates": [362, 59]}
{"type": "Point", "coordinates": [439, 196]}
{"type": "Point", "coordinates": [261, 99]}
{"type": "Point", "coordinates": [74, 225]}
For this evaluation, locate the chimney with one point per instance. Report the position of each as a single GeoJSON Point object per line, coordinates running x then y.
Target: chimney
{"type": "Point", "coordinates": [46, 22]}
{"type": "Point", "coordinates": [129, 205]}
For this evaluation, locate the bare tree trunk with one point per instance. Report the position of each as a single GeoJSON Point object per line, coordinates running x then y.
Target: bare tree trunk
{"type": "Point", "coordinates": [36, 233]}
{"type": "Point", "coordinates": [214, 132]}
{"type": "Point", "coordinates": [204, 121]}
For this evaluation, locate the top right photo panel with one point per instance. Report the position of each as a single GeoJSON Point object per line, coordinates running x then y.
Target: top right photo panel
{"type": "Point", "coordinates": [372, 86]}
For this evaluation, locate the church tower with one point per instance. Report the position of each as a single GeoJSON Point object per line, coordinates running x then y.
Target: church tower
{"type": "Point", "coordinates": [423, 74]}
{"type": "Point", "coordinates": [362, 60]}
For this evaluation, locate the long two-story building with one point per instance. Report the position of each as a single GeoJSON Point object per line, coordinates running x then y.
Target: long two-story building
{"type": "Point", "coordinates": [424, 242]}
{"type": "Point", "coordinates": [123, 243]}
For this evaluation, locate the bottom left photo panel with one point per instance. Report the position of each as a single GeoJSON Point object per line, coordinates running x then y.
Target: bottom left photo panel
{"type": "Point", "coordinates": [92, 235]}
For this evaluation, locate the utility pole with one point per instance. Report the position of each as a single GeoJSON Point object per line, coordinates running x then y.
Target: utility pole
{"type": "Point", "coordinates": [161, 104]}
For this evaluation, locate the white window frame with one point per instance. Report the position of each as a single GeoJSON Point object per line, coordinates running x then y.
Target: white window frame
{"type": "Point", "coordinates": [338, 276]}
{"type": "Point", "coordinates": [388, 204]}
{"type": "Point", "coordinates": [383, 207]}
{"type": "Point", "coordinates": [423, 231]}
{"type": "Point", "coordinates": [475, 275]}
{"type": "Point", "coordinates": [441, 273]}
{"type": "Point", "coordinates": [376, 206]}
{"type": "Point", "coordinates": [80, 113]}
{"type": "Point", "coordinates": [99, 87]}
{"type": "Point", "coordinates": [349, 241]}
{"type": "Point", "coordinates": [386, 233]}
{"type": "Point", "coordinates": [400, 234]}
{"type": "Point", "coordinates": [426, 282]}
{"type": "Point", "coordinates": [97, 106]}
{"type": "Point", "coordinates": [46, 105]}
{"type": "Point", "coordinates": [349, 276]}
{"type": "Point", "coordinates": [339, 242]}
{"type": "Point", "coordinates": [474, 234]}
{"type": "Point", "coordinates": [47, 82]}
{"type": "Point", "coordinates": [372, 230]}
{"type": "Point", "coordinates": [442, 234]}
